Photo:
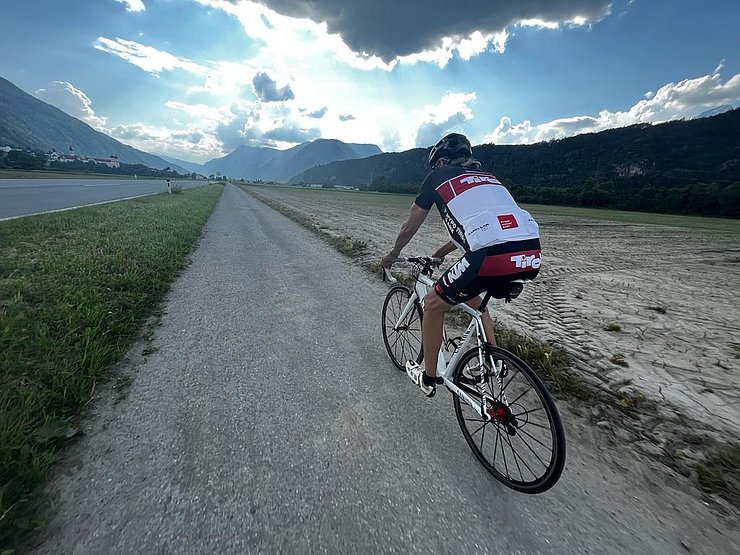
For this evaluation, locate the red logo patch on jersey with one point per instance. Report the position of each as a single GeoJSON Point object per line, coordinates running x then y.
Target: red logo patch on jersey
{"type": "Point", "coordinates": [507, 221]}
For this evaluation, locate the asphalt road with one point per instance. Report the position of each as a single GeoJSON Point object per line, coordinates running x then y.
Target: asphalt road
{"type": "Point", "coordinates": [265, 417]}
{"type": "Point", "coordinates": [22, 197]}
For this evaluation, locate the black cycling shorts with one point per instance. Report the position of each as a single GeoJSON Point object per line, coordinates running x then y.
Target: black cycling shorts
{"type": "Point", "coordinates": [490, 269]}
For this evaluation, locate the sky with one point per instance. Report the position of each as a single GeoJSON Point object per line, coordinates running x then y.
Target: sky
{"type": "Point", "coordinates": [195, 79]}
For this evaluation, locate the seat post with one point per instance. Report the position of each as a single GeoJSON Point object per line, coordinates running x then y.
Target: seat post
{"type": "Point", "coordinates": [487, 298]}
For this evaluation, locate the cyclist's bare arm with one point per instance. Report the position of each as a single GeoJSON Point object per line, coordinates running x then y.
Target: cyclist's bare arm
{"type": "Point", "coordinates": [444, 250]}
{"type": "Point", "coordinates": [408, 230]}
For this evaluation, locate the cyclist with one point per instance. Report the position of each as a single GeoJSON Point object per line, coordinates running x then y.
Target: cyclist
{"type": "Point", "coordinates": [500, 243]}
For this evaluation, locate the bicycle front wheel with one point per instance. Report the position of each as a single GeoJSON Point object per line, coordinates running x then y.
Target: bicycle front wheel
{"type": "Point", "coordinates": [523, 443]}
{"type": "Point", "coordinates": [402, 339]}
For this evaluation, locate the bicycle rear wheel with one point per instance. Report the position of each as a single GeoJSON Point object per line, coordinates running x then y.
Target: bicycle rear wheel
{"type": "Point", "coordinates": [403, 342]}
{"type": "Point", "coordinates": [523, 445]}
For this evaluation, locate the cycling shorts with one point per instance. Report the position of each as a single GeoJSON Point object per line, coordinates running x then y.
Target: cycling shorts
{"type": "Point", "coordinates": [490, 269]}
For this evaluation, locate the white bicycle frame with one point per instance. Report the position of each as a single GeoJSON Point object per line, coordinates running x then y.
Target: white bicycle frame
{"type": "Point", "coordinates": [444, 368]}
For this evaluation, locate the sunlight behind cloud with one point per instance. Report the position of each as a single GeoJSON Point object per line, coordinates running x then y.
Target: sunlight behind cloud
{"type": "Point", "coordinates": [434, 121]}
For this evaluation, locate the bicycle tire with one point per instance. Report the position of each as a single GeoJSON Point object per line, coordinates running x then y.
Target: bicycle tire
{"type": "Point", "coordinates": [405, 343]}
{"type": "Point", "coordinates": [515, 424]}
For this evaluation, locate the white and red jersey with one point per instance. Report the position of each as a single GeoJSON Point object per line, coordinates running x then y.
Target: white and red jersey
{"type": "Point", "coordinates": [477, 210]}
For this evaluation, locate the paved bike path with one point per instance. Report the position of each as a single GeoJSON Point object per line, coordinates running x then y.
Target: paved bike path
{"type": "Point", "coordinates": [269, 419]}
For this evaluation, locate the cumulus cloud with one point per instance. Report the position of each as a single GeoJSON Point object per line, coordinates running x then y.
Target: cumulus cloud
{"type": "Point", "coordinates": [73, 101]}
{"type": "Point", "coordinates": [684, 99]}
{"type": "Point", "coordinates": [192, 137]}
{"type": "Point", "coordinates": [133, 5]}
{"type": "Point", "coordinates": [147, 58]}
{"type": "Point", "coordinates": [318, 114]}
{"type": "Point", "coordinates": [390, 29]}
{"type": "Point", "coordinates": [267, 90]}
{"type": "Point", "coordinates": [131, 131]}
{"type": "Point", "coordinates": [197, 111]}
{"type": "Point", "coordinates": [346, 117]}
{"type": "Point", "coordinates": [187, 144]}
{"type": "Point", "coordinates": [435, 121]}
{"type": "Point", "coordinates": [263, 124]}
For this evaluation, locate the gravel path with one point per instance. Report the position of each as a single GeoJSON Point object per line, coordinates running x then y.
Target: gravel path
{"type": "Point", "coordinates": [266, 417]}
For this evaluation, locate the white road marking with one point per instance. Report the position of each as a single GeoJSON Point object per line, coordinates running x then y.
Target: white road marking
{"type": "Point", "coordinates": [75, 207]}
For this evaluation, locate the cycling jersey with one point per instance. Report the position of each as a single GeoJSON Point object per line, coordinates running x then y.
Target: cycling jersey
{"type": "Point", "coordinates": [477, 210]}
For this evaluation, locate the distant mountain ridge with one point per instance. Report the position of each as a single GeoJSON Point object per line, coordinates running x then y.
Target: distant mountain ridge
{"type": "Point", "coordinates": [714, 111]}
{"type": "Point", "coordinates": [270, 164]}
{"type": "Point", "coordinates": [705, 149]}
{"type": "Point", "coordinates": [680, 166]}
{"type": "Point", "coordinates": [26, 121]}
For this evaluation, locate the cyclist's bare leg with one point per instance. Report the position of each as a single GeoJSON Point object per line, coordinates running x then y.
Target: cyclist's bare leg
{"type": "Point", "coordinates": [435, 308]}
{"type": "Point", "coordinates": [485, 318]}
{"type": "Point", "coordinates": [431, 329]}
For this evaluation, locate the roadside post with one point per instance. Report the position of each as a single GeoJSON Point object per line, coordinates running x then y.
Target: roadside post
{"type": "Point", "coordinates": [169, 187]}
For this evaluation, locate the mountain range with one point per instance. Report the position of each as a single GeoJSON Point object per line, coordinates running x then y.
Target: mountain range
{"type": "Point", "coordinates": [674, 153]}
{"type": "Point", "coordinates": [269, 164]}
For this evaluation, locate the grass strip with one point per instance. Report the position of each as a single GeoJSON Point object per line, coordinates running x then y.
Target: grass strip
{"type": "Point", "coordinates": [720, 473]}
{"type": "Point", "coordinates": [75, 287]}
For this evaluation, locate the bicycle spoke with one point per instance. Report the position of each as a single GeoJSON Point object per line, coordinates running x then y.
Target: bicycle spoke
{"type": "Point", "coordinates": [503, 388]}
{"type": "Point", "coordinates": [495, 446]}
{"type": "Point", "coordinates": [521, 395]}
{"type": "Point", "coordinates": [529, 411]}
{"type": "Point", "coordinates": [523, 462]}
{"type": "Point", "coordinates": [506, 466]}
{"type": "Point", "coordinates": [482, 436]}
{"type": "Point", "coordinates": [530, 448]}
{"type": "Point", "coordinates": [519, 468]}
{"type": "Point", "coordinates": [530, 423]}
{"type": "Point", "coordinates": [479, 429]}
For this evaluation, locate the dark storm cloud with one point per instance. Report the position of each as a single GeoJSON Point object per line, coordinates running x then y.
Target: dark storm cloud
{"type": "Point", "coordinates": [389, 28]}
{"type": "Point", "coordinates": [266, 89]}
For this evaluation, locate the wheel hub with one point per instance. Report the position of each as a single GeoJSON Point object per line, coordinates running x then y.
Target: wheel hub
{"type": "Point", "coordinates": [498, 412]}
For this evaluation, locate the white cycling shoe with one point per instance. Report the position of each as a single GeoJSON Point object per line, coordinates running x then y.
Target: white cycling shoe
{"type": "Point", "coordinates": [416, 373]}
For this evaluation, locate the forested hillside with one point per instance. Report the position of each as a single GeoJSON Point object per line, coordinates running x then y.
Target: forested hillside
{"type": "Point", "coordinates": [685, 167]}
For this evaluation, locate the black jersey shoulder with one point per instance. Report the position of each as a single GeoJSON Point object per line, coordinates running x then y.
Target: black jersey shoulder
{"type": "Point", "coordinates": [427, 196]}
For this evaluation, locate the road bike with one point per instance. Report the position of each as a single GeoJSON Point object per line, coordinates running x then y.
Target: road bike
{"type": "Point", "coordinates": [506, 414]}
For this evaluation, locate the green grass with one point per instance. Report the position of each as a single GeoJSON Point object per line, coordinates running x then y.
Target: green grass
{"type": "Point", "coordinates": [720, 473]}
{"type": "Point", "coordinates": [717, 224]}
{"type": "Point", "coordinates": [75, 288]}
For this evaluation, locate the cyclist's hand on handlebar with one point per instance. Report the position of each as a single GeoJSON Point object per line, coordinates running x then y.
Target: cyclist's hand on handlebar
{"type": "Point", "coordinates": [437, 260]}
{"type": "Point", "coordinates": [388, 260]}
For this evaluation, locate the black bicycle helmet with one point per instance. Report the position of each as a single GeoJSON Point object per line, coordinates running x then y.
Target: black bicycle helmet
{"type": "Point", "coordinates": [453, 145]}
